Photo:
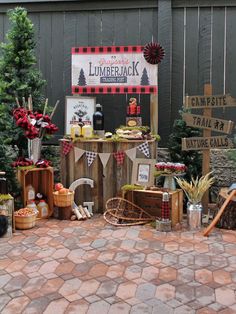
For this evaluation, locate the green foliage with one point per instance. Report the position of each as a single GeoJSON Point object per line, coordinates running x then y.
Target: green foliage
{"type": "Point", "coordinates": [192, 159]}
{"type": "Point", "coordinates": [131, 187]}
{"type": "Point", "coordinates": [19, 77]}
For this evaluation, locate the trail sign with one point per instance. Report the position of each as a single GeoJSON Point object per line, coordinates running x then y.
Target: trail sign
{"type": "Point", "coordinates": [205, 101]}
{"type": "Point", "coordinates": [203, 122]}
{"type": "Point", "coordinates": [206, 143]}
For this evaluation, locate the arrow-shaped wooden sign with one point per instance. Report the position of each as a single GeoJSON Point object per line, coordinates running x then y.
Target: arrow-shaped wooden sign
{"type": "Point", "coordinates": [214, 124]}
{"type": "Point", "coordinates": [202, 143]}
{"type": "Point", "coordinates": [209, 101]}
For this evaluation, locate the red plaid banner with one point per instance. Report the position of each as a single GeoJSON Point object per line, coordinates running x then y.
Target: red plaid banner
{"type": "Point", "coordinates": [66, 147]}
{"type": "Point", "coordinates": [150, 89]}
{"type": "Point", "coordinates": [119, 156]}
{"type": "Point", "coordinates": [107, 49]}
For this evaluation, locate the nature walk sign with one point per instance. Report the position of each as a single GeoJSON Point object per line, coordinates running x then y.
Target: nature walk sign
{"type": "Point", "coordinates": [207, 102]}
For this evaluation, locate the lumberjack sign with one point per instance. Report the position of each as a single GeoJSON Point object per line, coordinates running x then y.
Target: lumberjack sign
{"type": "Point", "coordinates": [209, 123]}
{"type": "Point", "coordinates": [200, 143]}
{"type": "Point", "coordinates": [209, 101]}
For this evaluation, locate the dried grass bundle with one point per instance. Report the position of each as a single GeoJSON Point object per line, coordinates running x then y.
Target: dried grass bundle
{"type": "Point", "coordinates": [195, 189]}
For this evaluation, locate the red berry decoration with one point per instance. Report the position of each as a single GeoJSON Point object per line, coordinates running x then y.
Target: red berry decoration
{"type": "Point", "coordinates": [153, 53]}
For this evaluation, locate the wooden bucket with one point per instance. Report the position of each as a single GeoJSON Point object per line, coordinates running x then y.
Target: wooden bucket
{"type": "Point", "coordinates": [63, 200]}
{"type": "Point", "coordinates": [25, 222]}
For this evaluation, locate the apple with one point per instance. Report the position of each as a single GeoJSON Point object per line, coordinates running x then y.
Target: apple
{"type": "Point", "coordinates": [63, 191]}
{"type": "Point", "coordinates": [58, 186]}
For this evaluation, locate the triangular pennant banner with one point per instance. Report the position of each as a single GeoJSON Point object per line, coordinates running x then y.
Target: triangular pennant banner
{"type": "Point", "coordinates": [104, 157]}
{"type": "Point", "coordinates": [131, 153]}
{"type": "Point", "coordinates": [144, 148]}
{"type": "Point", "coordinates": [66, 147]}
{"type": "Point", "coordinates": [119, 156]}
{"type": "Point", "coordinates": [90, 157]}
{"type": "Point", "coordinates": [78, 153]}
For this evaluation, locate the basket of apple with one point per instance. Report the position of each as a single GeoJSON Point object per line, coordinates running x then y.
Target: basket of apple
{"type": "Point", "coordinates": [62, 197]}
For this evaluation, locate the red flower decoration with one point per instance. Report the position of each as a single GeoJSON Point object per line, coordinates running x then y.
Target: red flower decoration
{"type": "Point", "coordinates": [153, 53]}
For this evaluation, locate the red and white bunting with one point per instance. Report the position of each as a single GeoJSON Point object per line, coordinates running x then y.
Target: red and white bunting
{"type": "Point", "coordinates": [119, 156]}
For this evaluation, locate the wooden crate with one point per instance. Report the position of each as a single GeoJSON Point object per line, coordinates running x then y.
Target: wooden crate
{"type": "Point", "coordinates": [42, 180]}
{"type": "Point", "coordinates": [151, 201]}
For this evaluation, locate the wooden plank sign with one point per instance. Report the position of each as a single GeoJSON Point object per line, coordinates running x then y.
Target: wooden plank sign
{"type": "Point", "coordinates": [214, 124]}
{"type": "Point", "coordinates": [209, 101]}
{"type": "Point", "coordinates": [202, 143]}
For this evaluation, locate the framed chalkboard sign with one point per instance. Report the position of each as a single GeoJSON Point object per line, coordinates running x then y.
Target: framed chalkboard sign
{"type": "Point", "coordinates": [78, 107]}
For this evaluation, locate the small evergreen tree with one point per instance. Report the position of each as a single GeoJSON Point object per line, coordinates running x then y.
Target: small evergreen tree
{"type": "Point", "coordinates": [192, 159]}
{"type": "Point", "coordinates": [19, 76]}
{"type": "Point", "coordinates": [82, 79]}
{"type": "Point", "coordinates": [144, 78]}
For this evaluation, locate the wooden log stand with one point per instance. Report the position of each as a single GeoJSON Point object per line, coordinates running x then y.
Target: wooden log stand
{"type": "Point", "coordinates": [108, 181]}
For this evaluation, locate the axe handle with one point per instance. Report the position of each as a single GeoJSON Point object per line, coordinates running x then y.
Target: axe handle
{"type": "Point", "coordinates": [220, 212]}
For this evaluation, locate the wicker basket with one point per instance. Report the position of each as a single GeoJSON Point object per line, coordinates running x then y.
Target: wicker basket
{"type": "Point", "coordinates": [63, 200]}
{"type": "Point", "coordinates": [25, 222]}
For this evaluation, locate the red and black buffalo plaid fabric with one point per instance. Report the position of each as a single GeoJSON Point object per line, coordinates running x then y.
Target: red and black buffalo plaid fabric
{"type": "Point", "coordinates": [66, 147]}
{"type": "Point", "coordinates": [119, 156]}
{"type": "Point", "coordinates": [165, 207]}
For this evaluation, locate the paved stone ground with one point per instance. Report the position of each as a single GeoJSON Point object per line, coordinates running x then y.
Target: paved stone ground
{"type": "Point", "coordinates": [95, 268]}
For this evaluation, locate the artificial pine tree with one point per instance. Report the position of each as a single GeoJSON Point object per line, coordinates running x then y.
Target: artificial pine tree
{"type": "Point", "coordinates": [192, 159]}
{"type": "Point", "coordinates": [19, 76]}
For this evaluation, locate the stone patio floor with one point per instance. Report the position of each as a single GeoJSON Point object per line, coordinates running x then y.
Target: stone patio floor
{"type": "Point", "coordinates": [95, 268]}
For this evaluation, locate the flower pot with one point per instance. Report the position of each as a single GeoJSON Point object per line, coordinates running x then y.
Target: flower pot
{"type": "Point", "coordinates": [194, 216]}
{"type": "Point", "coordinates": [34, 149]}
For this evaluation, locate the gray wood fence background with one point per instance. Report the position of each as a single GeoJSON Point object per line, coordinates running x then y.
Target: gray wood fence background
{"type": "Point", "coordinates": [198, 38]}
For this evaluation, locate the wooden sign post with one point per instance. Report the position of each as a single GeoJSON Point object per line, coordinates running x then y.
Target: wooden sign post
{"type": "Point", "coordinates": [207, 112]}
{"type": "Point", "coordinates": [208, 124]}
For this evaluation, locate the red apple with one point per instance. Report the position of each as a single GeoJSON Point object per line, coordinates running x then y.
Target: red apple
{"type": "Point", "coordinates": [63, 191]}
{"type": "Point", "coordinates": [58, 186]}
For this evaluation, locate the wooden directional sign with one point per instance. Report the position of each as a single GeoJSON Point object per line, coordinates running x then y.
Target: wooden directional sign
{"type": "Point", "coordinates": [214, 124]}
{"type": "Point", "coordinates": [202, 143]}
{"type": "Point", "coordinates": [209, 101]}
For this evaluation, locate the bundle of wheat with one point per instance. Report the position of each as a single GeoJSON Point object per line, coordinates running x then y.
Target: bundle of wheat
{"type": "Point", "coordinates": [195, 189]}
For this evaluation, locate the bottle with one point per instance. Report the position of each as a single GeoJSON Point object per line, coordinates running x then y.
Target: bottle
{"type": "Point", "coordinates": [98, 119]}
{"type": "Point", "coordinates": [3, 183]}
{"type": "Point", "coordinates": [30, 192]}
{"type": "Point", "coordinates": [75, 131]}
{"type": "Point", "coordinates": [31, 204]}
{"type": "Point", "coordinates": [87, 130]}
{"type": "Point", "coordinates": [42, 209]}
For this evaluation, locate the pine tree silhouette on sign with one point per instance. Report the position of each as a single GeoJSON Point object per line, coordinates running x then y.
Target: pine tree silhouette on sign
{"type": "Point", "coordinates": [82, 79]}
{"type": "Point", "coordinates": [144, 78]}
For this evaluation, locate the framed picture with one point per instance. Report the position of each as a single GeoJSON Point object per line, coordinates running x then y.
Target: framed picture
{"type": "Point", "coordinates": [78, 107]}
{"type": "Point", "coordinates": [143, 171]}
